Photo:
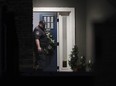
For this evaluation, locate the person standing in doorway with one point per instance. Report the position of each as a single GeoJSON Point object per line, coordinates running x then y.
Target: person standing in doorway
{"type": "Point", "coordinates": [41, 42]}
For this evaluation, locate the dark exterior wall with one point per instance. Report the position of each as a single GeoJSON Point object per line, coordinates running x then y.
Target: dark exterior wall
{"type": "Point", "coordinates": [80, 11]}
{"type": "Point", "coordinates": [97, 11]}
{"type": "Point", "coordinates": [19, 24]}
{"type": "Point", "coordinates": [101, 18]}
{"type": "Point", "coordinates": [23, 18]}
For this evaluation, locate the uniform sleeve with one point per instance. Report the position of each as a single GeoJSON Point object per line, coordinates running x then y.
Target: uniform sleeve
{"type": "Point", "coordinates": [37, 34]}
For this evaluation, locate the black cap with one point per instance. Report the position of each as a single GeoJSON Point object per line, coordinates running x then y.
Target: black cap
{"type": "Point", "coordinates": [41, 22]}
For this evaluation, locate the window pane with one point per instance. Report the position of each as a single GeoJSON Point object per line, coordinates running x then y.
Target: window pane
{"type": "Point", "coordinates": [48, 19]}
{"type": "Point", "coordinates": [48, 25]}
{"type": "Point", "coordinates": [52, 26]}
{"type": "Point", "coordinates": [45, 19]}
{"type": "Point", "coordinates": [51, 19]}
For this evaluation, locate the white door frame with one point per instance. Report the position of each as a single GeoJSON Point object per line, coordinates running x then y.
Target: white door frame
{"type": "Point", "coordinates": [70, 32]}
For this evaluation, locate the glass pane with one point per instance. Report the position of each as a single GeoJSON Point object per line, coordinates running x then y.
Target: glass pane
{"type": "Point", "coordinates": [52, 26]}
{"type": "Point", "coordinates": [45, 19]}
{"type": "Point", "coordinates": [51, 19]}
{"type": "Point", "coordinates": [48, 19]}
{"type": "Point", "coordinates": [48, 25]}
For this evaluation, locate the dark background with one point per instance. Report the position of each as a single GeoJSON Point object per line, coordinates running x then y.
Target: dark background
{"type": "Point", "coordinates": [16, 33]}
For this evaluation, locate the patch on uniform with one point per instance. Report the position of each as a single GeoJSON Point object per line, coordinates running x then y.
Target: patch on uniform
{"type": "Point", "coordinates": [37, 33]}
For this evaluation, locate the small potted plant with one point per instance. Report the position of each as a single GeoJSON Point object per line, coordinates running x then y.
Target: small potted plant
{"type": "Point", "coordinates": [77, 64]}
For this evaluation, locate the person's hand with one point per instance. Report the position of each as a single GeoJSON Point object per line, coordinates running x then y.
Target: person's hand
{"type": "Point", "coordinates": [39, 49]}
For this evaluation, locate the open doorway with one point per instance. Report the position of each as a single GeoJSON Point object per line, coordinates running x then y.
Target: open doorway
{"type": "Point", "coordinates": [50, 19]}
{"type": "Point", "coordinates": [60, 22]}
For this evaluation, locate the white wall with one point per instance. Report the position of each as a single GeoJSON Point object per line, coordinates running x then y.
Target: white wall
{"type": "Point", "coordinates": [36, 19]}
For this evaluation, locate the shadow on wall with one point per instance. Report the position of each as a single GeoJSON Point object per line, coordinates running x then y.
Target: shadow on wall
{"type": "Point", "coordinates": [112, 2]}
{"type": "Point", "coordinates": [105, 45]}
{"type": "Point", "coordinates": [104, 37]}
{"type": "Point", "coordinates": [10, 49]}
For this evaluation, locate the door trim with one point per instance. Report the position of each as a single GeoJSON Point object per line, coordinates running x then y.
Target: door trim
{"type": "Point", "coordinates": [71, 30]}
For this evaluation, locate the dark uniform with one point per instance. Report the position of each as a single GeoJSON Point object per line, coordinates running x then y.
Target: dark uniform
{"type": "Point", "coordinates": [40, 56]}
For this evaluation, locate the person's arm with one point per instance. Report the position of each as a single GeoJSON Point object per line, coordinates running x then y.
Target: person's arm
{"type": "Point", "coordinates": [37, 36]}
{"type": "Point", "coordinates": [38, 44]}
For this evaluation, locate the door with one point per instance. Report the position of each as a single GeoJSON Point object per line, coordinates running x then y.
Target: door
{"type": "Point", "coordinates": [50, 19]}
